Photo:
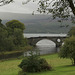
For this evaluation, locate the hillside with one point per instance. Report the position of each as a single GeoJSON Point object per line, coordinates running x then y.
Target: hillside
{"type": "Point", "coordinates": [37, 23]}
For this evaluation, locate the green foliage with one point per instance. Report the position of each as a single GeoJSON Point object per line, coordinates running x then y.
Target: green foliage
{"type": "Point", "coordinates": [22, 73]}
{"type": "Point", "coordinates": [11, 36]}
{"type": "Point", "coordinates": [1, 25]}
{"type": "Point", "coordinates": [8, 44]}
{"type": "Point", "coordinates": [60, 66]}
{"type": "Point", "coordinates": [72, 31]}
{"type": "Point", "coordinates": [68, 49]}
{"type": "Point", "coordinates": [18, 37]}
{"type": "Point", "coordinates": [15, 29]}
{"type": "Point", "coordinates": [3, 36]}
{"type": "Point", "coordinates": [44, 65]}
{"type": "Point", "coordinates": [34, 63]}
{"type": "Point", "coordinates": [15, 24]}
{"type": "Point", "coordinates": [12, 54]}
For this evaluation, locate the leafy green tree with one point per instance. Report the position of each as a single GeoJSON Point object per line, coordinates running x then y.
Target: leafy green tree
{"type": "Point", "coordinates": [15, 29]}
{"type": "Point", "coordinates": [15, 24]}
{"type": "Point", "coordinates": [11, 36]}
{"type": "Point", "coordinates": [18, 37]}
{"type": "Point", "coordinates": [68, 49]}
{"type": "Point", "coordinates": [72, 31]}
{"type": "Point", "coordinates": [1, 25]}
{"type": "Point", "coordinates": [10, 31]}
{"type": "Point", "coordinates": [9, 44]}
{"type": "Point", "coordinates": [6, 43]}
{"type": "Point", "coordinates": [34, 63]}
{"type": "Point", "coordinates": [3, 35]}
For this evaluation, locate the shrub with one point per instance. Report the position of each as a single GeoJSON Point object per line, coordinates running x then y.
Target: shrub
{"type": "Point", "coordinates": [12, 54]}
{"type": "Point", "coordinates": [21, 73]}
{"type": "Point", "coordinates": [34, 63]}
{"type": "Point", "coordinates": [44, 65]}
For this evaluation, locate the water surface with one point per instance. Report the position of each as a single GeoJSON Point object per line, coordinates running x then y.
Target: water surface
{"type": "Point", "coordinates": [45, 46]}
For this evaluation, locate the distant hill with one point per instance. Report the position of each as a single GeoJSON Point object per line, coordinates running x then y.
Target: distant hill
{"type": "Point", "coordinates": [37, 23]}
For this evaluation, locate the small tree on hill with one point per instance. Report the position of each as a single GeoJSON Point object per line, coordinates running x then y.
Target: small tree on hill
{"type": "Point", "coordinates": [68, 49]}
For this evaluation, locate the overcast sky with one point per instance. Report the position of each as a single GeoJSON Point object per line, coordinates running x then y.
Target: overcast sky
{"type": "Point", "coordinates": [18, 7]}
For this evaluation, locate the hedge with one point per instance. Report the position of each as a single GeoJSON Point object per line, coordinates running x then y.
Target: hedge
{"type": "Point", "coordinates": [15, 54]}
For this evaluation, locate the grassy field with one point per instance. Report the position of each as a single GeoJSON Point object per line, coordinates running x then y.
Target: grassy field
{"type": "Point", "coordinates": [60, 66]}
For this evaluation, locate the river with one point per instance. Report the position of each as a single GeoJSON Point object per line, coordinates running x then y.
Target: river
{"type": "Point", "coordinates": [45, 46]}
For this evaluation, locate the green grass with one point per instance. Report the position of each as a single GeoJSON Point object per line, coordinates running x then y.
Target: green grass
{"type": "Point", "coordinates": [60, 66]}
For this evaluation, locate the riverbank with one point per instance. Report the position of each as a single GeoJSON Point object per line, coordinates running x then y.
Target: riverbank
{"type": "Point", "coordinates": [60, 66]}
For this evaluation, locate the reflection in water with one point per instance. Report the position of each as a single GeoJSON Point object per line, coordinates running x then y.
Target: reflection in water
{"type": "Point", "coordinates": [46, 46]}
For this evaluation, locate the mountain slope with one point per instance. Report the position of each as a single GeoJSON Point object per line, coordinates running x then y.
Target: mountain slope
{"type": "Point", "coordinates": [37, 23]}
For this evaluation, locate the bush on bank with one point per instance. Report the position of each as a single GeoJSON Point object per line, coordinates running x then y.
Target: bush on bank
{"type": "Point", "coordinates": [16, 53]}
{"type": "Point", "coordinates": [34, 63]}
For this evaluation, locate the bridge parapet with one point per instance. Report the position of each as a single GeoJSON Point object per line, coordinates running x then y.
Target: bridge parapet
{"type": "Point", "coordinates": [34, 40]}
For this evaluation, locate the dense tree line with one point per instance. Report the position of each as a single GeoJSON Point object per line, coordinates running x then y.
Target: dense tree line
{"type": "Point", "coordinates": [11, 36]}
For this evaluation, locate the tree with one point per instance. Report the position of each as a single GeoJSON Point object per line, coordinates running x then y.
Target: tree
{"type": "Point", "coordinates": [1, 25]}
{"type": "Point", "coordinates": [72, 31]}
{"type": "Point", "coordinates": [6, 43]}
{"type": "Point", "coordinates": [18, 37]}
{"type": "Point", "coordinates": [15, 29]}
{"type": "Point", "coordinates": [62, 9]}
{"type": "Point", "coordinates": [3, 35]}
{"type": "Point", "coordinates": [34, 63]}
{"type": "Point", "coordinates": [11, 36]}
{"type": "Point", "coordinates": [4, 2]}
{"type": "Point", "coordinates": [15, 24]}
{"type": "Point", "coordinates": [68, 49]}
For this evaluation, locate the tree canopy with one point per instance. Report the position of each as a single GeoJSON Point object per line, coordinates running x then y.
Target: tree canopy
{"type": "Point", "coordinates": [11, 36]}
{"type": "Point", "coordinates": [68, 49]}
{"type": "Point", "coordinates": [15, 24]}
{"type": "Point", "coordinates": [15, 29]}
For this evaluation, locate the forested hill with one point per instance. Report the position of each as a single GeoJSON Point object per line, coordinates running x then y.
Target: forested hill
{"type": "Point", "coordinates": [38, 23]}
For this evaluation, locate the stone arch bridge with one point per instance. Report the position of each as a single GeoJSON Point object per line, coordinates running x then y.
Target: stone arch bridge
{"type": "Point", "coordinates": [33, 40]}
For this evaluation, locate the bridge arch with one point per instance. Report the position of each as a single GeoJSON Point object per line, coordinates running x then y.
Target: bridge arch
{"type": "Point", "coordinates": [34, 40]}
{"type": "Point", "coordinates": [45, 42]}
{"type": "Point", "coordinates": [43, 39]}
